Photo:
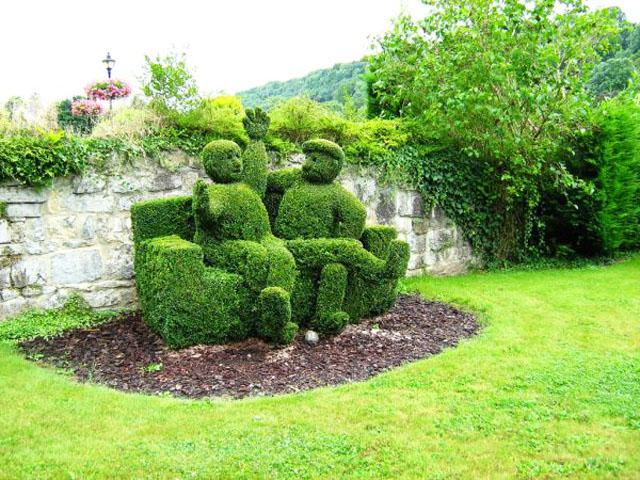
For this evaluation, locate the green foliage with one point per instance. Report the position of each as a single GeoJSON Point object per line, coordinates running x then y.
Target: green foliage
{"type": "Point", "coordinates": [162, 217]}
{"type": "Point", "coordinates": [219, 118]}
{"type": "Point", "coordinates": [169, 84]}
{"type": "Point", "coordinates": [324, 160]}
{"type": "Point", "coordinates": [183, 301]}
{"type": "Point", "coordinates": [75, 313]}
{"type": "Point", "coordinates": [256, 123]}
{"type": "Point", "coordinates": [496, 88]}
{"type": "Point", "coordinates": [331, 85]}
{"type": "Point", "coordinates": [3, 209]}
{"type": "Point", "coordinates": [377, 239]}
{"type": "Point", "coordinates": [37, 159]}
{"type": "Point", "coordinates": [82, 124]}
{"type": "Point", "coordinates": [222, 160]}
{"type": "Point", "coordinates": [619, 175]}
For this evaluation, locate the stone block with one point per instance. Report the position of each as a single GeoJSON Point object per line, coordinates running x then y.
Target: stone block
{"type": "Point", "coordinates": [120, 262]}
{"type": "Point", "coordinates": [76, 266]}
{"type": "Point", "coordinates": [7, 294]}
{"type": "Point", "coordinates": [89, 183]}
{"type": "Point", "coordinates": [22, 195]}
{"type": "Point", "coordinates": [29, 271]}
{"type": "Point", "coordinates": [5, 232]}
{"type": "Point", "coordinates": [417, 243]}
{"type": "Point", "coordinates": [24, 210]}
{"type": "Point", "coordinates": [420, 226]}
{"type": "Point", "coordinates": [410, 204]}
{"type": "Point", "coordinates": [386, 206]}
{"type": "Point", "coordinates": [125, 185]}
{"type": "Point", "coordinates": [5, 276]}
{"type": "Point", "coordinates": [165, 181]}
{"type": "Point", "coordinates": [89, 203]}
{"type": "Point", "coordinates": [13, 307]}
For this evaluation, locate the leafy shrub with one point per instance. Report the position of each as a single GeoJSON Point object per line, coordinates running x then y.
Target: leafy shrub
{"type": "Point", "coordinates": [37, 159]}
{"type": "Point", "coordinates": [75, 313]}
{"type": "Point", "coordinates": [219, 118]}
{"type": "Point", "coordinates": [300, 119]}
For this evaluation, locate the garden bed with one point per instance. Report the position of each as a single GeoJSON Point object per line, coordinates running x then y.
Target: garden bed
{"type": "Point", "coordinates": [126, 355]}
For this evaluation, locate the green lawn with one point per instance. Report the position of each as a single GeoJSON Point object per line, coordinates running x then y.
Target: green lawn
{"type": "Point", "coordinates": [549, 389]}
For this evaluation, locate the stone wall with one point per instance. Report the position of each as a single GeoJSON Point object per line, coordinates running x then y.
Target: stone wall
{"type": "Point", "coordinates": [76, 235]}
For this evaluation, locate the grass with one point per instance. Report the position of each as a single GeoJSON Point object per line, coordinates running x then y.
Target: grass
{"type": "Point", "coordinates": [550, 389]}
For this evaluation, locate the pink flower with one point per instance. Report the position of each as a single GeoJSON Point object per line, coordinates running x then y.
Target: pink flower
{"type": "Point", "coordinates": [108, 90]}
{"type": "Point", "coordinates": [85, 107]}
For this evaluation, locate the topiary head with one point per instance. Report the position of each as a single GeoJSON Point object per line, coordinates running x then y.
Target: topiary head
{"type": "Point", "coordinates": [222, 160]}
{"type": "Point", "coordinates": [256, 123]}
{"type": "Point", "coordinates": [324, 161]}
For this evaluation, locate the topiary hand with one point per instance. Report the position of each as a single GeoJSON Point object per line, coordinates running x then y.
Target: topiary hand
{"type": "Point", "coordinates": [256, 123]}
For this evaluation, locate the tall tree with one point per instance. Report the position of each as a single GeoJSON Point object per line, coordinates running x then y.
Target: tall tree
{"type": "Point", "coordinates": [502, 82]}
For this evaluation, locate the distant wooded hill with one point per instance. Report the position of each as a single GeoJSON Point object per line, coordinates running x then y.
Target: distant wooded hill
{"type": "Point", "coordinates": [329, 85]}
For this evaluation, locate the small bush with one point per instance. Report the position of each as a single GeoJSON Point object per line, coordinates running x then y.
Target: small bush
{"type": "Point", "coordinates": [300, 119]}
{"type": "Point", "coordinates": [219, 118]}
{"type": "Point", "coordinates": [129, 123]}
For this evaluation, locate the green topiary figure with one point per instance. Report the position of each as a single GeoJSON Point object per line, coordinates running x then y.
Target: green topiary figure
{"type": "Point", "coordinates": [232, 227]}
{"type": "Point", "coordinates": [324, 225]}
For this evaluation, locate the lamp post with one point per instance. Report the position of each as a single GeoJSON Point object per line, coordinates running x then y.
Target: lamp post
{"type": "Point", "coordinates": [109, 62]}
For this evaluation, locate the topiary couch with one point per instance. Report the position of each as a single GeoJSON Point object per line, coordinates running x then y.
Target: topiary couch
{"type": "Point", "coordinates": [258, 254]}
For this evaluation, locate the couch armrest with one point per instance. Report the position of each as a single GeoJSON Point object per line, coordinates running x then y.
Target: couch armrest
{"type": "Point", "coordinates": [377, 239]}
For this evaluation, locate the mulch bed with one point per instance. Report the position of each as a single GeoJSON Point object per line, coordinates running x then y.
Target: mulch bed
{"type": "Point", "coordinates": [119, 354]}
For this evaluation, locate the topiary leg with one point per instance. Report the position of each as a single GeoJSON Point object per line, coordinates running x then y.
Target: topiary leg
{"type": "Point", "coordinates": [274, 313]}
{"type": "Point", "coordinates": [330, 318]}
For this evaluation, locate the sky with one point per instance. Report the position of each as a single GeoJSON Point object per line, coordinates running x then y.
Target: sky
{"type": "Point", "coordinates": [54, 48]}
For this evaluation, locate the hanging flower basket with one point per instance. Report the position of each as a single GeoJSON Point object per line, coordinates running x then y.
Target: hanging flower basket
{"type": "Point", "coordinates": [85, 108]}
{"type": "Point", "coordinates": [108, 90]}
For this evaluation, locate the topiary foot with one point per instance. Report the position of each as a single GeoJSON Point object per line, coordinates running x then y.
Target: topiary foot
{"type": "Point", "coordinates": [274, 313]}
{"type": "Point", "coordinates": [331, 323]}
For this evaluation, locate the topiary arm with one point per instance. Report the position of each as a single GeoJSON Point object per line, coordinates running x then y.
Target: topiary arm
{"type": "Point", "coordinates": [377, 239]}
{"type": "Point", "coordinates": [206, 208]}
{"type": "Point", "coordinates": [256, 123]}
{"type": "Point", "coordinates": [349, 214]}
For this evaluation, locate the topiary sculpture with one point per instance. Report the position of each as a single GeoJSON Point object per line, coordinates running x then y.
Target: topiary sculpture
{"type": "Point", "coordinates": [346, 271]}
{"type": "Point", "coordinates": [232, 227]}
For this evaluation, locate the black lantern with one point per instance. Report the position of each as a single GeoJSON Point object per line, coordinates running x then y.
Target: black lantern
{"type": "Point", "coordinates": [109, 62]}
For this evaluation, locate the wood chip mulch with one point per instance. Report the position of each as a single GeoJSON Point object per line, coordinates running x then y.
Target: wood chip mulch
{"type": "Point", "coordinates": [124, 354]}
